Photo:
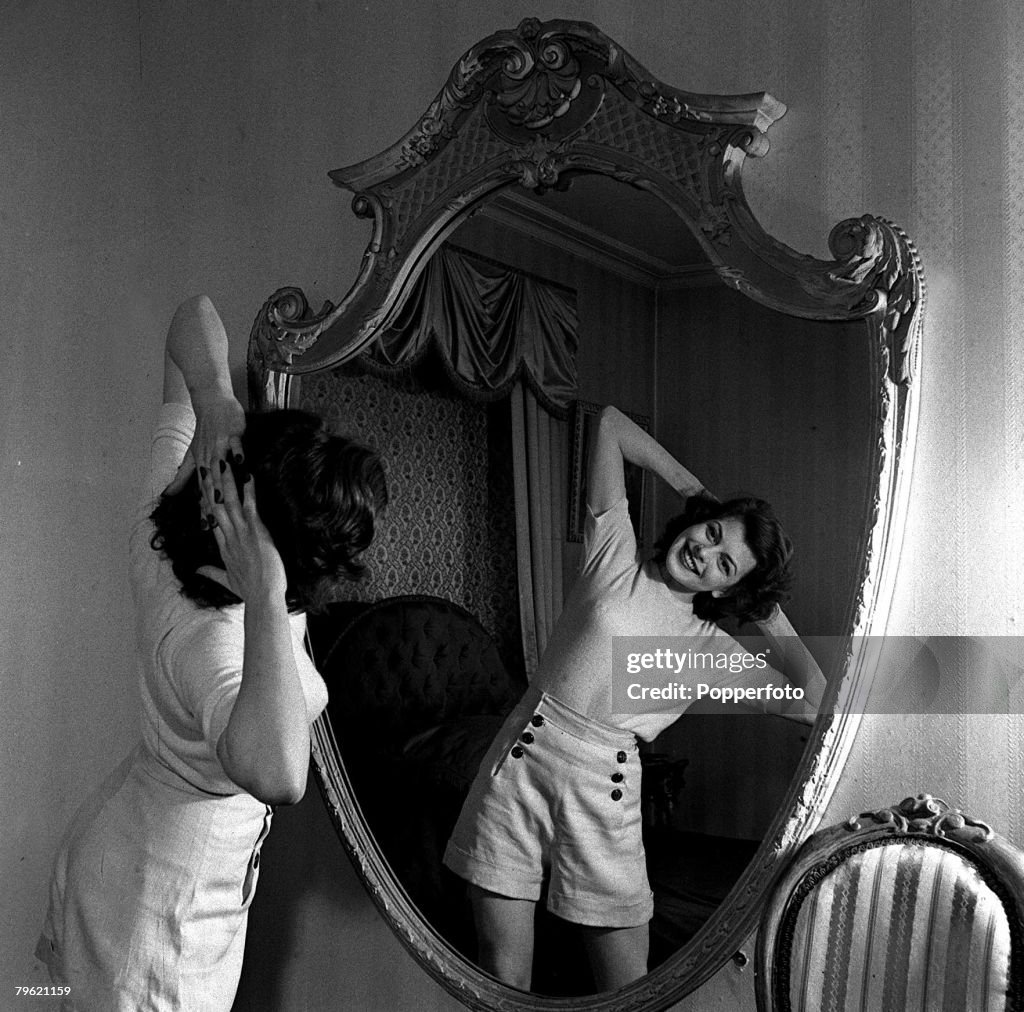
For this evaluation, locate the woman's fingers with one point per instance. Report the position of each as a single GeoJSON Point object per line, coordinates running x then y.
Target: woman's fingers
{"type": "Point", "coordinates": [228, 487]}
{"type": "Point", "coordinates": [235, 447]}
{"type": "Point", "coordinates": [218, 436]}
{"type": "Point", "coordinates": [222, 500]}
{"type": "Point", "coordinates": [220, 449]}
{"type": "Point", "coordinates": [218, 536]}
{"type": "Point", "coordinates": [213, 486]}
{"type": "Point", "coordinates": [247, 550]}
{"type": "Point", "coordinates": [249, 496]}
{"type": "Point", "coordinates": [206, 449]}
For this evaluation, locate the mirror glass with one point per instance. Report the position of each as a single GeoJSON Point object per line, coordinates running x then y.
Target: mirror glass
{"type": "Point", "coordinates": [751, 400]}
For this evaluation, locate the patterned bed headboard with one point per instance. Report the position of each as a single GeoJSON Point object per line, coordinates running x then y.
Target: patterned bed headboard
{"type": "Point", "coordinates": [449, 530]}
{"type": "Point", "coordinates": [407, 664]}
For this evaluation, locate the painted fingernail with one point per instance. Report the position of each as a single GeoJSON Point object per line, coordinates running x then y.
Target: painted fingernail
{"type": "Point", "coordinates": [203, 473]}
{"type": "Point", "coordinates": [211, 521]}
{"type": "Point", "coordinates": [247, 478]}
{"type": "Point", "coordinates": [239, 459]}
{"type": "Point", "coordinates": [217, 497]}
{"type": "Point", "coordinates": [223, 466]}
{"type": "Point", "coordinates": [203, 524]}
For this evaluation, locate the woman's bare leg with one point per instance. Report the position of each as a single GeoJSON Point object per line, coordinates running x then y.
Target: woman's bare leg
{"type": "Point", "coordinates": [618, 956]}
{"type": "Point", "coordinates": [504, 932]}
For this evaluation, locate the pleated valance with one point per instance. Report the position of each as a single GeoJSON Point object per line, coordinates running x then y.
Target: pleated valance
{"type": "Point", "coordinates": [489, 326]}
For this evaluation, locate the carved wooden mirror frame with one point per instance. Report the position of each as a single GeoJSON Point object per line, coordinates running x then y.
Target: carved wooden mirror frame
{"type": "Point", "coordinates": [532, 107]}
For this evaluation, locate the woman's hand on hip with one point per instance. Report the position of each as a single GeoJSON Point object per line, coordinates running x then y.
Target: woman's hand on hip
{"type": "Point", "coordinates": [252, 561]}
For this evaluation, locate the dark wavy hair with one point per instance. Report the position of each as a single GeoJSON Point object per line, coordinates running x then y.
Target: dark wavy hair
{"type": "Point", "coordinates": [754, 597]}
{"type": "Point", "coordinates": [319, 496]}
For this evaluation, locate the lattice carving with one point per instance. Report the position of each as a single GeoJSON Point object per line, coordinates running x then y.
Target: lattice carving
{"type": "Point", "coordinates": [535, 105]}
{"type": "Point", "coordinates": [677, 155]}
{"type": "Point", "coordinates": [414, 194]}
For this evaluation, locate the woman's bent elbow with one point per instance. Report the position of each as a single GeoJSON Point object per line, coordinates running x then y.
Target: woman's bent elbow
{"type": "Point", "coordinates": [274, 780]}
{"type": "Point", "coordinates": [290, 795]}
{"type": "Point", "coordinates": [277, 791]}
{"type": "Point", "coordinates": [195, 305]}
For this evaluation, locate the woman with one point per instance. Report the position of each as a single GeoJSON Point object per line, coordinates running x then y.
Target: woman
{"type": "Point", "coordinates": [264, 517]}
{"type": "Point", "coordinates": [557, 800]}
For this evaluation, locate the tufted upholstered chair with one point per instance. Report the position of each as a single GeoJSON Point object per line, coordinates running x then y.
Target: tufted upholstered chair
{"type": "Point", "coordinates": [912, 907]}
{"type": "Point", "coordinates": [406, 665]}
{"type": "Point", "coordinates": [417, 693]}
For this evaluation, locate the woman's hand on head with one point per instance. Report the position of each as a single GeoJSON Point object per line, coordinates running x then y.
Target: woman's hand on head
{"type": "Point", "coordinates": [251, 559]}
{"type": "Point", "coordinates": [220, 422]}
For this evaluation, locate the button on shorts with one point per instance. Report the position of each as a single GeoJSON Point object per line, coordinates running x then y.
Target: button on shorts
{"type": "Point", "coordinates": [558, 797]}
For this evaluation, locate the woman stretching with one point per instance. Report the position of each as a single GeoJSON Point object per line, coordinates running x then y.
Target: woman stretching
{"type": "Point", "coordinates": [151, 887]}
{"type": "Point", "coordinates": [557, 797]}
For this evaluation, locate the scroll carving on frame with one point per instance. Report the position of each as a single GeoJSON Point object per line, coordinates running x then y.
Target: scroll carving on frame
{"type": "Point", "coordinates": [538, 104]}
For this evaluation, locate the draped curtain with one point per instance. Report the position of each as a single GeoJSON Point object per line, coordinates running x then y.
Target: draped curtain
{"type": "Point", "coordinates": [539, 458]}
{"type": "Point", "coordinates": [489, 326]}
{"type": "Point", "coordinates": [498, 332]}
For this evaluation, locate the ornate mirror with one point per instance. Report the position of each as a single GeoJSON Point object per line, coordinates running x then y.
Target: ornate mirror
{"type": "Point", "coordinates": [600, 212]}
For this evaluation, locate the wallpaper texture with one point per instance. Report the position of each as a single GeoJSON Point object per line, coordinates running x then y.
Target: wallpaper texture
{"type": "Point", "coordinates": [946, 161]}
{"type": "Point", "coordinates": [449, 529]}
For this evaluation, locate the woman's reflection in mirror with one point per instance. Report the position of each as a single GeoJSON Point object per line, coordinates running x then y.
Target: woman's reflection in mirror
{"type": "Point", "coordinates": [555, 810]}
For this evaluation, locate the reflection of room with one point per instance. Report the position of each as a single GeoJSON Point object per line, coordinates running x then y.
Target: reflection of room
{"type": "Point", "coordinates": [752, 401]}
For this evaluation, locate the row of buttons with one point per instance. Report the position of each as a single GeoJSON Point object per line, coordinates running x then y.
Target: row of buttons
{"type": "Point", "coordinates": [537, 720]}
{"type": "Point", "coordinates": [617, 778]}
{"type": "Point", "coordinates": [527, 738]}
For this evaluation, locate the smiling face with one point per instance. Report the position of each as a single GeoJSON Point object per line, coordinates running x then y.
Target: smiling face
{"type": "Point", "coordinates": [711, 556]}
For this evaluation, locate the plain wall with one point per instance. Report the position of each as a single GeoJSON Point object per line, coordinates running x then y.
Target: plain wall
{"type": "Point", "coordinates": [151, 150]}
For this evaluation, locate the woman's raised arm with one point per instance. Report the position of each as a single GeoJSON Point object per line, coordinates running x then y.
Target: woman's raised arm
{"type": "Point", "coordinates": [619, 439]}
{"type": "Point", "coordinates": [265, 746]}
{"type": "Point", "coordinates": [196, 372]}
{"type": "Point", "coordinates": [791, 657]}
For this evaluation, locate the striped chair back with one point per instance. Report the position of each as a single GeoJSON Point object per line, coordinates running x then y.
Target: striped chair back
{"type": "Point", "coordinates": [916, 907]}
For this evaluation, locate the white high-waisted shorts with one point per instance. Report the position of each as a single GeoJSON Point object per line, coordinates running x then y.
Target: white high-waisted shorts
{"type": "Point", "coordinates": [558, 797]}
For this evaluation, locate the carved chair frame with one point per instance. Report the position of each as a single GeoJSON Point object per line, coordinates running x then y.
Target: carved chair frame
{"type": "Point", "coordinates": [921, 819]}
{"type": "Point", "coordinates": [535, 106]}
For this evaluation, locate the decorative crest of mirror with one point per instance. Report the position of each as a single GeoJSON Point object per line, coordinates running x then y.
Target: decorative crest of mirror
{"type": "Point", "coordinates": [534, 107]}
